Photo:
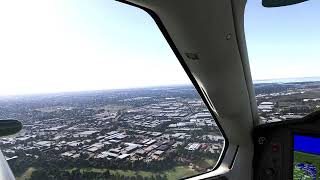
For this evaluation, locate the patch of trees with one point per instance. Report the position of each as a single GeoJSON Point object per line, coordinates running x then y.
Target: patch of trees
{"type": "Point", "coordinates": [272, 88]}
{"type": "Point", "coordinates": [54, 174]}
{"type": "Point", "coordinates": [46, 162]}
{"type": "Point", "coordinates": [21, 164]}
{"type": "Point", "coordinates": [195, 155]}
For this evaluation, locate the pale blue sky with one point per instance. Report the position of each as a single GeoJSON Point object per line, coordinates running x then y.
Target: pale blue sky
{"type": "Point", "coordinates": [74, 45]}
{"type": "Point", "coordinates": [283, 42]}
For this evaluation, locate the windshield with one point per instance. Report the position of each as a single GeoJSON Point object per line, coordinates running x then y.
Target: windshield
{"type": "Point", "coordinates": [283, 48]}
{"type": "Point", "coordinates": [100, 95]}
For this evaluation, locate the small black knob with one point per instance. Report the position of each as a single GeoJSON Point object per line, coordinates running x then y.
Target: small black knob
{"type": "Point", "coordinates": [269, 171]}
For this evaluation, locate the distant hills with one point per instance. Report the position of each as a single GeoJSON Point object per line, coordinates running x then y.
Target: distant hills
{"type": "Point", "coordinates": [287, 80]}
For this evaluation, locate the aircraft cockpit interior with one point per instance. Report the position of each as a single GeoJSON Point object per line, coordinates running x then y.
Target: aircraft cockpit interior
{"type": "Point", "coordinates": [160, 90]}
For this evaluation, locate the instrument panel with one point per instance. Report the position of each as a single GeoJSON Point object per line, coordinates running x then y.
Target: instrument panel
{"type": "Point", "coordinates": [288, 149]}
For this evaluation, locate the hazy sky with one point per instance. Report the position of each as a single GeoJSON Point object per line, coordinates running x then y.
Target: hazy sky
{"type": "Point", "coordinates": [283, 42]}
{"type": "Point", "coordinates": [72, 45]}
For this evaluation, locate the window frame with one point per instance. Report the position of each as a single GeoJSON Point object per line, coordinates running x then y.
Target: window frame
{"type": "Point", "coordinates": [204, 96]}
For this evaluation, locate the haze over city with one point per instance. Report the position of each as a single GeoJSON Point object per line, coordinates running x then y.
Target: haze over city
{"type": "Point", "coordinates": [58, 46]}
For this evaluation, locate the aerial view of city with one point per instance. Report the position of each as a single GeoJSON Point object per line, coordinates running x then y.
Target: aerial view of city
{"type": "Point", "coordinates": [147, 133]}
{"type": "Point", "coordinates": [287, 101]}
{"type": "Point", "coordinates": [153, 133]}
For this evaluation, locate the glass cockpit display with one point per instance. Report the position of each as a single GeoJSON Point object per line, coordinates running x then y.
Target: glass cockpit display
{"type": "Point", "coordinates": [306, 157]}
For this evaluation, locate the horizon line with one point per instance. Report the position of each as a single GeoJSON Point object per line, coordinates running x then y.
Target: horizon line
{"type": "Point", "coordinates": [258, 81]}
{"type": "Point", "coordinates": [90, 90]}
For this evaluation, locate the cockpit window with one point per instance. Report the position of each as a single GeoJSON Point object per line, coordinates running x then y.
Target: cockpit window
{"type": "Point", "coordinates": [283, 48]}
{"type": "Point", "coordinates": [100, 95]}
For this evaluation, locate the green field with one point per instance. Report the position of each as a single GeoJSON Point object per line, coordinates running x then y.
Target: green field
{"type": "Point", "coordinates": [173, 174]}
{"type": "Point", "coordinates": [176, 173]}
{"type": "Point", "coordinates": [26, 175]}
